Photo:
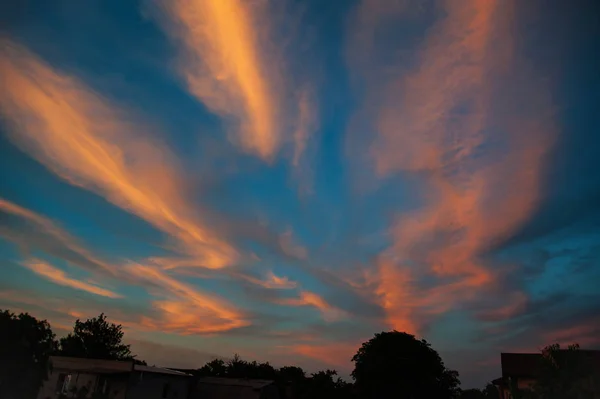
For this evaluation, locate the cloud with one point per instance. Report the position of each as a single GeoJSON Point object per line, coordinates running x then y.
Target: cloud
{"type": "Point", "coordinates": [271, 281]}
{"type": "Point", "coordinates": [515, 304]}
{"type": "Point", "coordinates": [307, 124]}
{"type": "Point", "coordinates": [30, 230]}
{"type": "Point", "coordinates": [338, 355]}
{"type": "Point", "coordinates": [307, 298]}
{"type": "Point", "coordinates": [183, 309]}
{"type": "Point", "coordinates": [59, 277]}
{"type": "Point", "coordinates": [586, 334]}
{"type": "Point", "coordinates": [92, 144]}
{"type": "Point", "coordinates": [166, 355]}
{"type": "Point", "coordinates": [227, 66]}
{"type": "Point", "coordinates": [456, 122]}
{"type": "Point", "coordinates": [62, 311]}
{"type": "Point", "coordinates": [290, 247]}
{"type": "Point", "coordinates": [303, 140]}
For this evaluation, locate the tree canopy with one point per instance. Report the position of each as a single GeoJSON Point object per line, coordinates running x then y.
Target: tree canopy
{"type": "Point", "coordinates": [397, 365]}
{"type": "Point", "coordinates": [25, 347]}
{"type": "Point", "coordinates": [96, 338]}
{"type": "Point", "coordinates": [564, 374]}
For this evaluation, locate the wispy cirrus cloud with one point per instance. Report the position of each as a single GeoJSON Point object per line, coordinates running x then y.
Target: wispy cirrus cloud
{"type": "Point", "coordinates": [184, 309]}
{"type": "Point", "coordinates": [90, 143]}
{"type": "Point", "coordinates": [307, 298]}
{"type": "Point", "coordinates": [226, 63]}
{"type": "Point", "coordinates": [32, 231]}
{"type": "Point", "coordinates": [232, 57]}
{"type": "Point", "coordinates": [59, 277]}
{"type": "Point", "coordinates": [453, 120]}
{"type": "Point", "coordinates": [338, 355]}
{"type": "Point", "coordinates": [271, 281]}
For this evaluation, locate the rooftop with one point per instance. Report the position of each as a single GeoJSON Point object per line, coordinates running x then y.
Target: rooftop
{"type": "Point", "coordinates": [101, 366]}
{"type": "Point", "coordinates": [240, 382]}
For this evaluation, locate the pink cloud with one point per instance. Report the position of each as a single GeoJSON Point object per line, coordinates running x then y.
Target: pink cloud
{"type": "Point", "coordinates": [59, 277]}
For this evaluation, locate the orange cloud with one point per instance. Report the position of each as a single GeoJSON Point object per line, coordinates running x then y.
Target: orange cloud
{"type": "Point", "coordinates": [227, 66]}
{"type": "Point", "coordinates": [307, 298]}
{"type": "Point", "coordinates": [59, 277]}
{"type": "Point", "coordinates": [186, 310]}
{"type": "Point", "coordinates": [54, 234]}
{"type": "Point", "coordinates": [91, 144]}
{"type": "Point", "coordinates": [272, 281]}
{"type": "Point", "coordinates": [585, 334]}
{"type": "Point", "coordinates": [62, 312]}
{"type": "Point", "coordinates": [334, 354]}
{"type": "Point", "coordinates": [437, 120]}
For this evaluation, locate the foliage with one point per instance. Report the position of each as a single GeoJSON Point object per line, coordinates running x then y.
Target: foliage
{"type": "Point", "coordinates": [472, 394]}
{"type": "Point", "coordinates": [96, 338]}
{"type": "Point", "coordinates": [491, 392]}
{"type": "Point", "coordinates": [214, 368]}
{"type": "Point", "coordinates": [25, 347]}
{"type": "Point", "coordinates": [396, 364]}
{"type": "Point", "coordinates": [563, 373]}
{"type": "Point", "coordinates": [290, 380]}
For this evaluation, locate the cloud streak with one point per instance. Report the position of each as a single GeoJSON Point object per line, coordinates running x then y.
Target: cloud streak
{"type": "Point", "coordinates": [307, 298]}
{"type": "Point", "coordinates": [86, 141]}
{"type": "Point", "coordinates": [452, 120]}
{"type": "Point", "coordinates": [227, 67]}
{"type": "Point", "coordinates": [183, 309]}
{"type": "Point", "coordinates": [59, 277]}
{"type": "Point", "coordinates": [33, 231]}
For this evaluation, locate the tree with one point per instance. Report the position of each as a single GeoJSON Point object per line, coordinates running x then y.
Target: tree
{"type": "Point", "coordinates": [214, 368]}
{"type": "Point", "coordinates": [96, 338]}
{"type": "Point", "coordinates": [472, 394]}
{"type": "Point", "coordinates": [564, 373]}
{"type": "Point", "coordinates": [397, 365]}
{"type": "Point", "coordinates": [25, 347]}
{"type": "Point", "coordinates": [490, 391]}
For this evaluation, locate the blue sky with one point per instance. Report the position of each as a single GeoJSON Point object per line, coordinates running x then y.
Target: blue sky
{"type": "Point", "coordinates": [285, 179]}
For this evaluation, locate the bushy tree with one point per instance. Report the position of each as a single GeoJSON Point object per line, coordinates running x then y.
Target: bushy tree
{"type": "Point", "coordinates": [96, 338]}
{"type": "Point", "coordinates": [25, 347]}
{"type": "Point", "coordinates": [564, 373]}
{"type": "Point", "coordinates": [397, 365]}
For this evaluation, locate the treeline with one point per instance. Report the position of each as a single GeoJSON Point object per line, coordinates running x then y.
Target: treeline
{"type": "Point", "coordinates": [291, 381]}
{"type": "Point", "coordinates": [391, 364]}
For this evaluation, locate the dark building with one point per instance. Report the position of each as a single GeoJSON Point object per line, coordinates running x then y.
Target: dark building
{"type": "Point", "coordinates": [522, 370]}
{"type": "Point", "coordinates": [233, 388]}
{"type": "Point", "coordinates": [86, 378]}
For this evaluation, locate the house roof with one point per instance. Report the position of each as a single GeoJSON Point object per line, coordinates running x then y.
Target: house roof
{"type": "Point", "coordinates": [100, 366]}
{"type": "Point", "coordinates": [97, 366]}
{"type": "Point", "coordinates": [520, 364]}
{"type": "Point", "coordinates": [239, 382]}
{"type": "Point", "coordinates": [159, 370]}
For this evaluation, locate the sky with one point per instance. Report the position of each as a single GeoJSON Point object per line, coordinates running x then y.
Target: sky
{"type": "Point", "coordinates": [283, 179]}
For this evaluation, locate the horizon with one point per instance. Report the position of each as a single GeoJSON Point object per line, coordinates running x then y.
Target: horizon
{"type": "Point", "coordinates": [284, 179]}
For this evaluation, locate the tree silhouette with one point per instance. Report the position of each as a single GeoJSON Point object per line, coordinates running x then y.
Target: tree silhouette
{"type": "Point", "coordinates": [96, 338]}
{"type": "Point", "coordinates": [472, 394]}
{"type": "Point", "coordinates": [214, 368]}
{"type": "Point", "coordinates": [397, 365]}
{"type": "Point", "coordinates": [490, 391]}
{"type": "Point", "coordinates": [25, 347]}
{"type": "Point", "coordinates": [564, 373]}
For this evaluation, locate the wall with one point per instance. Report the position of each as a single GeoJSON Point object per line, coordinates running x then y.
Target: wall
{"type": "Point", "coordinates": [145, 385]}
{"type": "Point", "coordinates": [118, 384]}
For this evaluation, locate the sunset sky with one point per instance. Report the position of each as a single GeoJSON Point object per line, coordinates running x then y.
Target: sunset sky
{"type": "Point", "coordinates": [283, 179]}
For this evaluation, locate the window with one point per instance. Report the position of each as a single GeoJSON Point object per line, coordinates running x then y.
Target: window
{"type": "Point", "coordinates": [165, 392]}
{"type": "Point", "coordinates": [102, 386]}
{"type": "Point", "coordinates": [64, 380]}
